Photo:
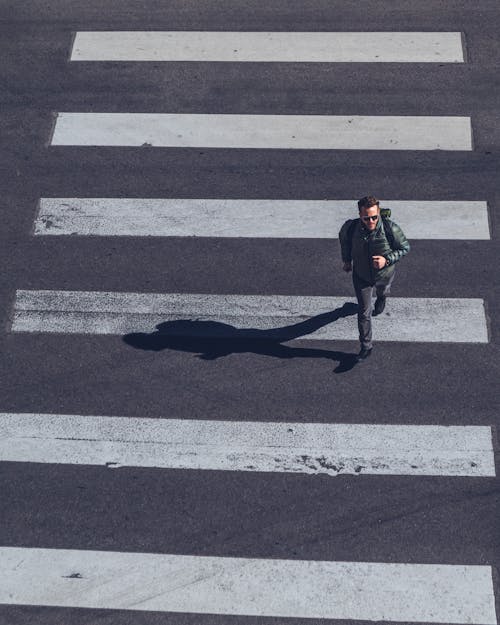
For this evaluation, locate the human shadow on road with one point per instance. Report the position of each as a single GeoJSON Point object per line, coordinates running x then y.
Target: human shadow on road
{"type": "Point", "coordinates": [213, 339]}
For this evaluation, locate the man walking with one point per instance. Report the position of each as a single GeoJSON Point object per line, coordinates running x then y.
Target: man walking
{"type": "Point", "coordinates": [370, 247]}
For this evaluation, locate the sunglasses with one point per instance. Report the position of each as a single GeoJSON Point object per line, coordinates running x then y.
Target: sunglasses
{"type": "Point", "coordinates": [372, 218]}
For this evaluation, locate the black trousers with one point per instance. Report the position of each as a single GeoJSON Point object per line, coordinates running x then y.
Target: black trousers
{"type": "Point", "coordinates": [364, 295]}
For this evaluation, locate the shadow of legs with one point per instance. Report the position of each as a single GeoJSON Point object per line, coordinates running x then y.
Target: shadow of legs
{"type": "Point", "coordinates": [213, 339]}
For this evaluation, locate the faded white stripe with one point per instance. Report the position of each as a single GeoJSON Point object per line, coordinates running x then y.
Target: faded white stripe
{"type": "Point", "coordinates": [310, 47]}
{"type": "Point", "coordinates": [250, 218]}
{"type": "Point", "coordinates": [370, 591]}
{"type": "Point", "coordinates": [245, 316]}
{"type": "Point", "coordinates": [312, 448]}
{"type": "Point", "coordinates": [264, 131]}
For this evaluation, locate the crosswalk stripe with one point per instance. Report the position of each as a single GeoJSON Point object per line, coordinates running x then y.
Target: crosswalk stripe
{"type": "Point", "coordinates": [269, 317]}
{"type": "Point", "coordinates": [313, 448]}
{"type": "Point", "coordinates": [310, 47]}
{"type": "Point", "coordinates": [370, 591]}
{"type": "Point", "coordinates": [264, 131]}
{"type": "Point", "coordinates": [250, 218]}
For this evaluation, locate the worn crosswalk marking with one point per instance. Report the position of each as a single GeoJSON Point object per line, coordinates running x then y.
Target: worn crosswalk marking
{"type": "Point", "coordinates": [250, 218]}
{"type": "Point", "coordinates": [310, 47]}
{"type": "Point", "coordinates": [268, 317]}
{"type": "Point", "coordinates": [370, 591]}
{"type": "Point", "coordinates": [313, 132]}
{"type": "Point", "coordinates": [312, 448]}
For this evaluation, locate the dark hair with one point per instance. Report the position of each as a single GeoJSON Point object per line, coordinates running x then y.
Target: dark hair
{"type": "Point", "coordinates": [367, 202]}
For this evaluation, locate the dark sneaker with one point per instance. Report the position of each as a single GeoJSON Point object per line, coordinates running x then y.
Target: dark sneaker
{"type": "Point", "coordinates": [363, 354]}
{"type": "Point", "coordinates": [379, 306]}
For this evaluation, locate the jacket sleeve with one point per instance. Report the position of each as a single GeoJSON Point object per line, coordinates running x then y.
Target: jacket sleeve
{"type": "Point", "coordinates": [400, 247]}
{"type": "Point", "coordinates": [345, 243]}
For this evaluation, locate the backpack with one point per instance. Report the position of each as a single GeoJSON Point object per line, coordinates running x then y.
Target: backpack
{"type": "Point", "coordinates": [385, 213]}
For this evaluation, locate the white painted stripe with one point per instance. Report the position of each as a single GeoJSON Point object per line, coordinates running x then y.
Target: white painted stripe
{"type": "Point", "coordinates": [245, 316]}
{"type": "Point", "coordinates": [250, 218]}
{"type": "Point", "coordinates": [310, 47]}
{"type": "Point", "coordinates": [370, 591]}
{"type": "Point", "coordinates": [264, 131]}
{"type": "Point", "coordinates": [312, 448]}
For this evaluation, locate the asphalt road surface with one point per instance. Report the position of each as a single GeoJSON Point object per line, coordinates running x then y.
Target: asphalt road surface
{"type": "Point", "coordinates": [236, 467]}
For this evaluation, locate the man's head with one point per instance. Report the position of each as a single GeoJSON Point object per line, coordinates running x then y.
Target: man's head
{"type": "Point", "coordinates": [369, 211]}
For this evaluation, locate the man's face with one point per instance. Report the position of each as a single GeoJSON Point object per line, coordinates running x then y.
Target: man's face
{"type": "Point", "coordinates": [370, 217]}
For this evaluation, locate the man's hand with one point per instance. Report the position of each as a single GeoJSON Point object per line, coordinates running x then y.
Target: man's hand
{"type": "Point", "coordinates": [347, 266]}
{"type": "Point", "coordinates": [379, 262]}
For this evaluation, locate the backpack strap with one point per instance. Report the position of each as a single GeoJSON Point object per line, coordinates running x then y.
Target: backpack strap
{"type": "Point", "coordinates": [350, 230]}
{"type": "Point", "coordinates": [389, 234]}
{"type": "Point", "coordinates": [349, 234]}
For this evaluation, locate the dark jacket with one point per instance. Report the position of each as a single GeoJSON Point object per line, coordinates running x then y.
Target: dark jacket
{"type": "Point", "coordinates": [366, 244]}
